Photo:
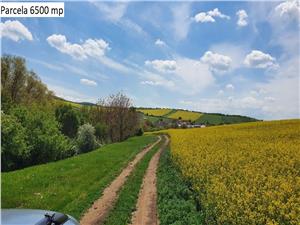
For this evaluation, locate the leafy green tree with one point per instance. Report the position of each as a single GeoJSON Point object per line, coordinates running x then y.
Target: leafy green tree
{"type": "Point", "coordinates": [19, 86]}
{"type": "Point", "coordinates": [69, 120]}
{"type": "Point", "coordinates": [44, 138]}
{"type": "Point", "coordinates": [140, 132]}
{"type": "Point", "coordinates": [101, 131]}
{"type": "Point", "coordinates": [86, 138]}
{"type": "Point", "coordinates": [14, 148]}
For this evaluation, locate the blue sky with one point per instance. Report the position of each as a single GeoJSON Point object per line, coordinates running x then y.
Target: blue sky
{"type": "Point", "coordinates": [227, 57]}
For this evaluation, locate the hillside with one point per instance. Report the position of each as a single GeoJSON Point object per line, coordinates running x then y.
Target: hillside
{"type": "Point", "coordinates": [167, 117]}
{"type": "Point", "coordinates": [164, 115]}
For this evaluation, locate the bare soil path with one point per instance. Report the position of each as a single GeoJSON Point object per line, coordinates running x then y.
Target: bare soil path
{"type": "Point", "coordinates": [100, 208]}
{"type": "Point", "coordinates": [146, 213]}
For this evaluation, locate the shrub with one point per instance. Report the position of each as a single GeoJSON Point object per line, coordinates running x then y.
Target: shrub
{"type": "Point", "coordinates": [101, 131]}
{"type": "Point", "coordinates": [140, 132]}
{"type": "Point", "coordinates": [14, 148]}
{"type": "Point", "coordinates": [86, 138]}
{"type": "Point", "coordinates": [69, 120]}
{"type": "Point", "coordinates": [46, 143]}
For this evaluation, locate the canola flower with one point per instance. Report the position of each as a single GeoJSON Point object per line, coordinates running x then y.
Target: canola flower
{"type": "Point", "coordinates": [155, 112]}
{"type": "Point", "coordinates": [185, 115]}
{"type": "Point", "coordinates": [243, 174]}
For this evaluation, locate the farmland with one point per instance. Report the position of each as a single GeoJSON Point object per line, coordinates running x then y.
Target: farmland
{"type": "Point", "coordinates": [185, 115]}
{"type": "Point", "coordinates": [243, 174]}
{"type": "Point", "coordinates": [155, 112]}
{"type": "Point", "coordinates": [160, 118]}
{"type": "Point", "coordinates": [217, 119]}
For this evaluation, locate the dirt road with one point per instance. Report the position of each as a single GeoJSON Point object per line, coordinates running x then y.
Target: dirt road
{"type": "Point", "coordinates": [146, 213]}
{"type": "Point", "coordinates": [99, 210]}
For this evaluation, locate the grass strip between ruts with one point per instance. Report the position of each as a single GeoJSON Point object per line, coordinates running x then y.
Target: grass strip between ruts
{"type": "Point", "coordinates": [128, 195]}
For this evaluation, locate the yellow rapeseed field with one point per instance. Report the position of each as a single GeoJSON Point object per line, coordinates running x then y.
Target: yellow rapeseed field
{"type": "Point", "coordinates": [185, 115]}
{"type": "Point", "coordinates": [155, 112]}
{"type": "Point", "coordinates": [243, 174]}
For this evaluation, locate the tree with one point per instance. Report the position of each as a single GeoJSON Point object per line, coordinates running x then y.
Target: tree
{"type": "Point", "coordinates": [45, 141]}
{"type": "Point", "coordinates": [14, 148]}
{"type": "Point", "coordinates": [140, 132]}
{"type": "Point", "coordinates": [69, 120]}
{"type": "Point", "coordinates": [18, 85]}
{"type": "Point", "coordinates": [86, 138]}
{"type": "Point", "coordinates": [101, 131]}
{"type": "Point", "coordinates": [121, 118]}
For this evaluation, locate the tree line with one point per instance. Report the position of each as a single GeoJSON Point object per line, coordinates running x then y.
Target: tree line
{"type": "Point", "coordinates": [37, 127]}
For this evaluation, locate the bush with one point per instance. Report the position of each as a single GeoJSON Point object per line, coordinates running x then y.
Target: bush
{"type": "Point", "coordinates": [101, 131]}
{"type": "Point", "coordinates": [46, 143]}
{"type": "Point", "coordinates": [69, 120]}
{"type": "Point", "coordinates": [140, 132]}
{"type": "Point", "coordinates": [86, 138]}
{"type": "Point", "coordinates": [14, 148]}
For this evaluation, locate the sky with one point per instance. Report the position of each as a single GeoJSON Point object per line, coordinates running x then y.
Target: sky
{"type": "Point", "coordinates": [225, 57]}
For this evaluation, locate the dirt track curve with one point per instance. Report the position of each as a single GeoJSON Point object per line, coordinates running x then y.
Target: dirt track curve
{"type": "Point", "coordinates": [100, 208]}
{"type": "Point", "coordinates": [146, 213]}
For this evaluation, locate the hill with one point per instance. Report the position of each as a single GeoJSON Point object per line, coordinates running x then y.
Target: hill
{"type": "Point", "coordinates": [163, 115]}
{"type": "Point", "coordinates": [158, 118]}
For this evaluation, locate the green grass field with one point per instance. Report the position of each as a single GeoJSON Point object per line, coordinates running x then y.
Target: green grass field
{"type": "Point", "coordinates": [70, 185]}
{"type": "Point", "coordinates": [217, 119]}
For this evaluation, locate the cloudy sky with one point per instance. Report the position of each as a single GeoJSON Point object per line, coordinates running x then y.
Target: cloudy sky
{"type": "Point", "coordinates": [235, 58]}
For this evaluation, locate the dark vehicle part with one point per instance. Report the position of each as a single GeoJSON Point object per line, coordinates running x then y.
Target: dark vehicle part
{"type": "Point", "coordinates": [35, 217]}
{"type": "Point", "coordinates": [54, 219]}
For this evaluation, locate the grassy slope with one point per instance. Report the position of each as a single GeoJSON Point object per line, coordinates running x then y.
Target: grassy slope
{"type": "Point", "coordinates": [70, 185]}
{"type": "Point", "coordinates": [126, 204]}
{"type": "Point", "coordinates": [176, 204]}
{"type": "Point", "coordinates": [217, 119]}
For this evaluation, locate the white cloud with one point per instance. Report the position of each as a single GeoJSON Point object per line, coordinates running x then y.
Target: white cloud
{"type": "Point", "coordinates": [217, 62]}
{"type": "Point", "coordinates": [276, 98]}
{"type": "Point", "coordinates": [220, 92]}
{"type": "Point", "coordinates": [229, 87]}
{"type": "Point", "coordinates": [204, 17]}
{"type": "Point", "coordinates": [258, 59]}
{"type": "Point", "coordinates": [289, 9]}
{"type": "Point", "coordinates": [162, 65]}
{"type": "Point", "coordinates": [188, 76]}
{"type": "Point", "coordinates": [70, 94]}
{"type": "Point", "coordinates": [153, 79]}
{"type": "Point", "coordinates": [112, 11]}
{"type": "Point", "coordinates": [269, 99]}
{"type": "Point", "coordinates": [230, 105]}
{"type": "Point", "coordinates": [15, 31]}
{"type": "Point", "coordinates": [242, 18]}
{"type": "Point", "coordinates": [235, 52]}
{"type": "Point", "coordinates": [159, 42]}
{"type": "Point", "coordinates": [88, 82]}
{"type": "Point", "coordinates": [90, 48]}
{"type": "Point", "coordinates": [181, 20]}
{"type": "Point", "coordinates": [254, 93]}
{"type": "Point", "coordinates": [192, 76]}
{"type": "Point", "coordinates": [115, 12]}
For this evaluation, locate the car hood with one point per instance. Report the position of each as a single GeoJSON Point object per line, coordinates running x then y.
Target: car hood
{"type": "Point", "coordinates": [27, 217]}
